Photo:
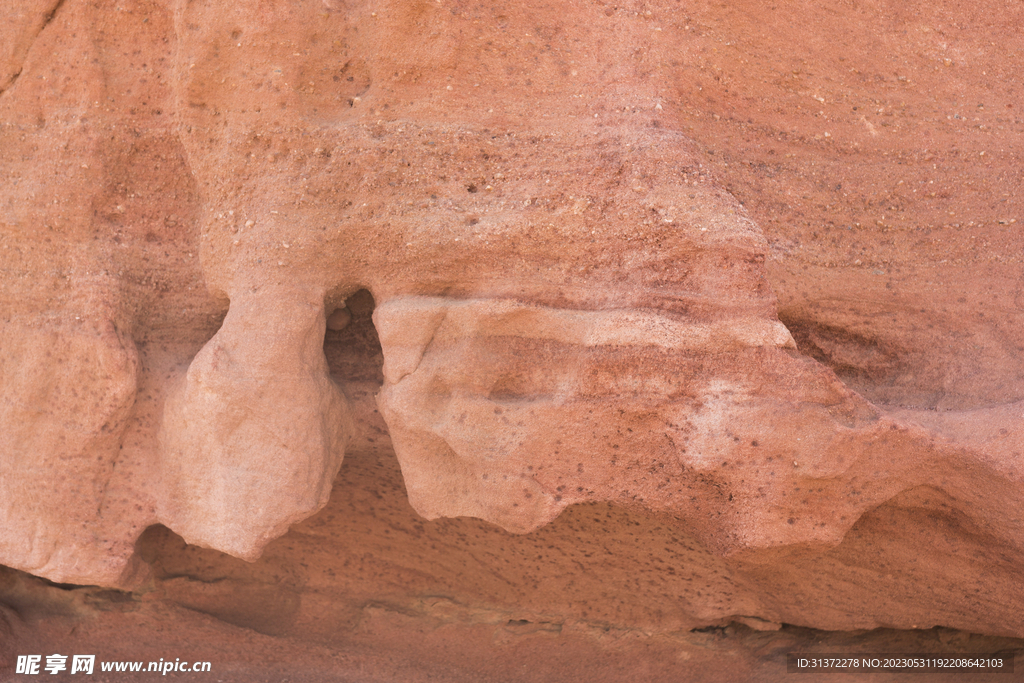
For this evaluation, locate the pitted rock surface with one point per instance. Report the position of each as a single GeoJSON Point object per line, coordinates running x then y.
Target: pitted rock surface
{"type": "Point", "coordinates": [599, 270]}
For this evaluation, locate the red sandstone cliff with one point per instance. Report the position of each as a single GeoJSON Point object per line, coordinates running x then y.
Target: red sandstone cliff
{"type": "Point", "coordinates": [720, 305]}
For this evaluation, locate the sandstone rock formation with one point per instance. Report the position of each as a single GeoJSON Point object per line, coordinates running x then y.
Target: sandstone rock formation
{"type": "Point", "coordinates": [256, 415]}
{"type": "Point", "coordinates": [598, 277]}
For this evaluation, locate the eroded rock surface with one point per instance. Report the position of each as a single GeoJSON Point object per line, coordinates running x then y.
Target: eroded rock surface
{"type": "Point", "coordinates": [260, 418]}
{"type": "Point", "coordinates": [572, 264]}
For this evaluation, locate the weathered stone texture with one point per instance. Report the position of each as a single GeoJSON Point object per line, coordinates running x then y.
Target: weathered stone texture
{"type": "Point", "coordinates": [598, 278]}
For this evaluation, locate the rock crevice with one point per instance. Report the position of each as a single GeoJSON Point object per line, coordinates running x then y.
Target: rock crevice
{"type": "Point", "coordinates": [568, 226]}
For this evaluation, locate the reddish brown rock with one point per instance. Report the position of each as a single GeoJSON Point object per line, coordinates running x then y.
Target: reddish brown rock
{"type": "Point", "coordinates": [262, 421]}
{"type": "Point", "coordinates": [573, 222]}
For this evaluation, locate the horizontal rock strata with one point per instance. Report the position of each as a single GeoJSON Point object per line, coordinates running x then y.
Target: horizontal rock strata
{"type": "Point", "coordinates": [572, 296]}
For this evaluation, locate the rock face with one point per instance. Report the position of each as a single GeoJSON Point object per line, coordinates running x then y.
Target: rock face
{"type": "Point", "coordinates": [574, 268]}
{"type": "Point", "coordinates": [257, 415]}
